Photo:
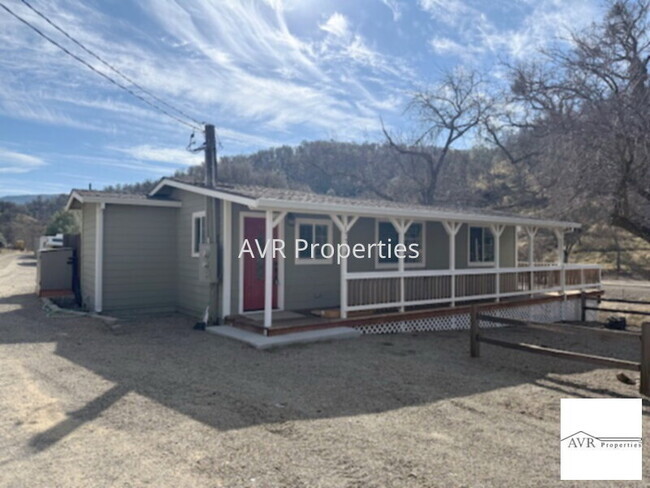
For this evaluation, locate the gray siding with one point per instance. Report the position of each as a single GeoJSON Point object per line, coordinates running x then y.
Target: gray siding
{"type": "Point", "coordinates": [139, 258]}
{"type": "Point", "coordinates": [148, 261]}
{"type": "Point", "coordinates": [508, 247]}
{"type": "Point", "coordinates": [363, 232]}
{"type": "Point", "coordinates": [192, 294]}
{"type": "Point", "coordinates": [87, 264]}
{"type": "Point", "coordinates": [507, 254]}
{"type": "Point", "coordinates": [437, 246]}
{"type": "Point", "coordinates": [310, 286]}
{"type": "Point", "coordinates": [317, 285]}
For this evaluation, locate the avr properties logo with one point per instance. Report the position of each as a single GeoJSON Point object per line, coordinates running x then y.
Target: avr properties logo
{"type": "Point", "coordinates": [615, 453]}
{"type": "Point", "coordinates": [582, 440]}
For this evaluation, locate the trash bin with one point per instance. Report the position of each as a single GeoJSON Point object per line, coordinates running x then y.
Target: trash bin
{"type": "Point", "coordinates": [616, 322]}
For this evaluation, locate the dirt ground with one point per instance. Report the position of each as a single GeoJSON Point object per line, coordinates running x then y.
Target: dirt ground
{"type": "Point", "coordinates": [154, 403]}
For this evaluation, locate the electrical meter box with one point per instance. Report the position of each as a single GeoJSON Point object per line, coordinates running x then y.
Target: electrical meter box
{"type": "Point", "coordinates": [204, 263]}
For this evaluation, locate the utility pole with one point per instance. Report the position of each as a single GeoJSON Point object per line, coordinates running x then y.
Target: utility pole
{"type": "Point", "coordinates": [210, 148]}
{"type": "Point", "coordinates": [210, 156]}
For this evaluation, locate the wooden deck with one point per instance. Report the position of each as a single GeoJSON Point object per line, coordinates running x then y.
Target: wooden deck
{"type": "Point", "coordinates": [285, 322]}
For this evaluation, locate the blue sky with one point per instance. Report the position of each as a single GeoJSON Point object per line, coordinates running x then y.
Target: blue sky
{"type": "Point", "coordinates": [265, 72]}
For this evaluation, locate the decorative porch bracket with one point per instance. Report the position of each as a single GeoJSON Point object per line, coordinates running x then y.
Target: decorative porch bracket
{"type": "Point", "coordinates": [344, 224]}
{"type": "Point", "coordinates": [497, 230]}
{"type": "Point", "coordinates": [452, 229]}
{"type": "Point", "coordinates": [271, 221]}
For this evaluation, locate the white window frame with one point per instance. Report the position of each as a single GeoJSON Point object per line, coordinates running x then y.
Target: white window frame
{"type": "Point", "coordinates": [195, 217]}
{"type": "Point", "coordinates": [469, 245]}
{"type": "Point", "coordinates": [330, 240]}
{"type": "Point", "coordinates": [407, 264]}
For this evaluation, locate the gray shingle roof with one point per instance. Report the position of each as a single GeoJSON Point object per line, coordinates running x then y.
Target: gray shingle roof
{"type": "Point", "coordinates": [110, 194]}
{"type": "Point", "coordinates": [284, 194]}
{"type": "Point", "coordinates": [266, 196]}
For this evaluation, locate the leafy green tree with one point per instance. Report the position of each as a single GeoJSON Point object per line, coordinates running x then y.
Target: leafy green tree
{"type": "Point", "coordinates": [62, 223]}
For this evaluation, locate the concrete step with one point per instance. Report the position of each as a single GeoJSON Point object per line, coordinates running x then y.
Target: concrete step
{"type": "Point", "coordinates": [259, 341]}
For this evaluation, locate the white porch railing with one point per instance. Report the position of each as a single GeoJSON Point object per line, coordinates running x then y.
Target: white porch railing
{"type": "Point", "coordinates": [383, 289]}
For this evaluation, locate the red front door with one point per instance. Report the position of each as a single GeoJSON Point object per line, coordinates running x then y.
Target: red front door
{"type": "Point", "coordinates": [254, 230]}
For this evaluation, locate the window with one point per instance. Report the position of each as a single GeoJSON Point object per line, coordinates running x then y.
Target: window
{"type": "Point", "coordinates": [414, 235]}
{"type": "Point", "coordinates": [481, 245]}
{"type": "Point", "coordinates": [316, 233]}
{"type": "Point", "coordinates": [198, 232]}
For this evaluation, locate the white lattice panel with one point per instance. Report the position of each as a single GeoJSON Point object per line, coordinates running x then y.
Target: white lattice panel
{"type": "Point", "coordinates": [543, 312]}
{"type": "Point", "coordinates": [446, 322]}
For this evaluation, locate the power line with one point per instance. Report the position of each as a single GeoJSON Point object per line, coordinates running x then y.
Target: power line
{"type": "Point", "coordinates": [103, 75]}
{"type": "Point", "coordinates": [108, 65]}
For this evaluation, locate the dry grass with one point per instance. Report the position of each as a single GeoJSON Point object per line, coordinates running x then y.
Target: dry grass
{"type": "Point", "coordinates": [599, 247]}
{"type": "Point", "coordinates": [627, 290]}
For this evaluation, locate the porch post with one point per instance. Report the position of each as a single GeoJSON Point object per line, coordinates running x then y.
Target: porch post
{"type": "Point", "coordinates": [452, 229]}
{"type": "Point", "coordinates": [497, 230]}
{"type": "Point", "coordinates": [401, 226]}
{"type": "Point", "coordinates": [559, 235]}
{"type": "Point", "coordinates": [268, 271]}
{"type": "Point", "coordinates": [344, 224]}
{"type": "Point", "coordinates": [531, 231]}
{"type": "Point", "coordinates": [517, 246]}
{"type": "Point", "coordinates": [271, 221]}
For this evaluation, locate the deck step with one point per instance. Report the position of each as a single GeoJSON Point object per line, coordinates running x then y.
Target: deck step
{"type": "Point", "coordinates": [259, 341]}
{"type": "Point", "coordinates": [246, 324]}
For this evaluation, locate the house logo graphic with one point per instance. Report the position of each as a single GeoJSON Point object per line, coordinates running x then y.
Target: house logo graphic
{"type": "Point", "coordinates": [584, 440]}
{"type": "Point", "coordinates": [601, 439]}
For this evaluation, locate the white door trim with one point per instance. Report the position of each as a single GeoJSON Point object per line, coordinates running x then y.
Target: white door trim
{"type": "Point", "coordinates": [281, 263]}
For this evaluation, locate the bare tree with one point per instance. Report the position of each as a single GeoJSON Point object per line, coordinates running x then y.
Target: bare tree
{"type": "Point", "coordinates": [445, 113]}
{"type": "Point", "coordinates": [588, 117]}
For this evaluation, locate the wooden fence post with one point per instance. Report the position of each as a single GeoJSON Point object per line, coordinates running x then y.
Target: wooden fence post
{"type": "Point", "coordinates": [644, 384]}
{"type": "Point", "coordinates": [474, 346]}
{"type": "Point", "coordinates": [583, 304]}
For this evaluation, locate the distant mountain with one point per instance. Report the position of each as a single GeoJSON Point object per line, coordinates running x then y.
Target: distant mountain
{"type": "Point", "coordinates": [22, 199]}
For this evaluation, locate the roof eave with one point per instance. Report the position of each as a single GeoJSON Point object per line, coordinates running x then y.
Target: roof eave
{"type": "Point", "coordinates": [290, 206]}
{"type": "Point", "coordinates": [145, 202]}
{"type": "Point", "coordinates": [210, 192]}
{"type": "Point", "coordinates": [313, 207]}
{"type": "Point", "coordinates": [71, 199]}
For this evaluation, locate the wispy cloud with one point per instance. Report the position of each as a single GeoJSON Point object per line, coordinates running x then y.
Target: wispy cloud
{"type": "Point", "coordinates": [170, 155]}
{"type": "Point", "coordinates": [395, 7]}
{"type": "Point", "coordinates": [15, 162]}
{"type": "Point", "coordinates": [15, 186]}
{"type": "Point", "coordinates": [472, 34]}
{"type": "Point", "coordinates": [235, 60]}
{"type": "Point", "coordinates": [336, 25]}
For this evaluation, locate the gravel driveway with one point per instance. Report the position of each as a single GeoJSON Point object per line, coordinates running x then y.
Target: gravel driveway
{"type": "Point", "coordinates": [154, 403]}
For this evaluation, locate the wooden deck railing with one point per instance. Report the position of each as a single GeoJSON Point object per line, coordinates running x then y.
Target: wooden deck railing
{"type": "Point", "coordinates": [382, 289]}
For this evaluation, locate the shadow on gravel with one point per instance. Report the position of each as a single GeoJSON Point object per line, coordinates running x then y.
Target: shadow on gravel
{"type": "Point", "coordinates": [227, 385]}
{"type": "Point", "coordinates": [75, 419]}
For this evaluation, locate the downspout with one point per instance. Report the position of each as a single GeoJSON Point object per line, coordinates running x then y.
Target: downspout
{"type": "Point", "coordinates": [99, 257]}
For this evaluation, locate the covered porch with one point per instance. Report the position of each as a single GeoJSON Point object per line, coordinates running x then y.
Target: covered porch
{"type": "Point", "coordinates": [445, 278]}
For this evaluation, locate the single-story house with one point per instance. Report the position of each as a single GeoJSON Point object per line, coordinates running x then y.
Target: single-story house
{"type": "Point", "coordinates": [179, 248]}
